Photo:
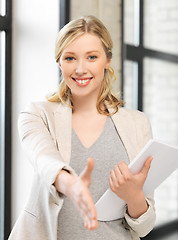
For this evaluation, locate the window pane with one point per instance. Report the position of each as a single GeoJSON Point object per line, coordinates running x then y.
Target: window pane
{"type": "Point", "coordinates": [2, 127]}
{"type": "Point", "coordinates": [131, 22]}
{"type": "Point", "coordinates": [161, 25]}
{"type": "Point", "coordinates": [2, 7]}
{"type": "Point", "coordinates": [161, 106]}
{"type": "Point", "coordinates": [130, 84]}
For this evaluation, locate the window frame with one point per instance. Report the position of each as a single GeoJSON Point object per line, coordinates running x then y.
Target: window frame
{"type": "Point", "coordinates": [64, 13]}
{"type": "Point", "coordinates": [6, 25]}
{"type": "Point", "coordinates": [137, 54]}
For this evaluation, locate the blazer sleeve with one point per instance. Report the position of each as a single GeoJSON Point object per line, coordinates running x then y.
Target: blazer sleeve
{"type": "Point", "coordinates": [39, 145]}
{"type": "Point", "coordinates": [145, 223]}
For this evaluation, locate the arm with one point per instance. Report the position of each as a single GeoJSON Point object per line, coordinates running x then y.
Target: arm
{"type": "Point", "coordinates": [38, 141]}
{"type": "Point", "coordinates": [144, 224]}
{"type": "Point", "coordinates": [140, 225]}
{"type": "Point", "coordinates": [39, 144]}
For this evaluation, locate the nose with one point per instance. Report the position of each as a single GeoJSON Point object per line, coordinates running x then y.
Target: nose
{"type": "Point", "coordinates": [81, 67]}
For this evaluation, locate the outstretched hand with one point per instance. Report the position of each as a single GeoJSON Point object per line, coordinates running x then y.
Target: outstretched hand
{"type": "Point", "coordinates": [80, 195]}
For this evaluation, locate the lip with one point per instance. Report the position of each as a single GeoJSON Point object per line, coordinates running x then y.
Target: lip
{"type": "Point", "coordinates": [82, 82]}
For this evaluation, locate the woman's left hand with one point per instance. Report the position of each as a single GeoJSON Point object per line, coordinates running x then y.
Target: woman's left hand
{"type": "Point", "coordinates": [129, 187]}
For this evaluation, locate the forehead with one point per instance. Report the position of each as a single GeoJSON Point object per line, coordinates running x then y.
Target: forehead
{"type": "Point", "coordinates": [85, 42]}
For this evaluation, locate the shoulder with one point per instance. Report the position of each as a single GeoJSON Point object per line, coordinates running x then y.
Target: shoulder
{"type": "Point", "coordinates": [134, 115]}
{"type": "Point", "coordinates": [130, 111]}
{"type": "Point", "coordinates": [39, 106]}
{"type": "Point", "coordinates": [43, 107]}
{"type": "Point", "coordinates": [132, 119]}
{"type": "Point", "coordinates": [44, 110]}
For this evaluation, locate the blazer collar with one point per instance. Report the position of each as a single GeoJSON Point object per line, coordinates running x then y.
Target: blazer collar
{"type": "Point", "coordinates": [126, 130]}
{"type": "Point", "coordinates": [63, 129]}
{"type": "Point", "coordinates": [122, 120]}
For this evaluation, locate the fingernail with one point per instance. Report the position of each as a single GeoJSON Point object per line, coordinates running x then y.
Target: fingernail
{"type": "Point", "coordinates": [89, 225]}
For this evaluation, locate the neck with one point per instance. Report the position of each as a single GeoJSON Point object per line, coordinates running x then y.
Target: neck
{"type": "Point", "coordinates": [84, 105]}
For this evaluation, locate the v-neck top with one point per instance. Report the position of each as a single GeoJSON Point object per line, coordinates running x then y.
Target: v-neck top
{"type": "Point", "coordinates": [106, 151]}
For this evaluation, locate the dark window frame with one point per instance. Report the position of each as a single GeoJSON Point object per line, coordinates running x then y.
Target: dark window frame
{"type": "Point", "coordinates": [6, 25]}
{"type": "Point", "coordinates": [64, 12]}
{"type": "Point", "coordinates": [137, 54]}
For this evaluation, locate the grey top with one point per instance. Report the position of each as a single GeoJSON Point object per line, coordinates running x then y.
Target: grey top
{"type": "Point", "coordinates": [107, 151]}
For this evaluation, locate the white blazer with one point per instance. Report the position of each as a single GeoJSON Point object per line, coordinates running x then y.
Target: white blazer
{"type": "Point", "coordinates": [45, 132]}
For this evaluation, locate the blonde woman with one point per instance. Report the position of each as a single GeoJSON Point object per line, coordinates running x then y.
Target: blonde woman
{"type": "Point", "coordinates": [80, 142]}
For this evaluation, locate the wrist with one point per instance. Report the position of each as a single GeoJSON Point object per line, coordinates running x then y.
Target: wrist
{"type": "Point", "coordinates": [63, 182]}
{"type": "Point", "coordinates": [137, 206]}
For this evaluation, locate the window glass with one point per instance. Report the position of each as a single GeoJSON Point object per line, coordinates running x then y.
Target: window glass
{"type": "Point", "coordinates": [130, 84]}
{"type": "Point", "coordinates": [161, 105]}
{"type": "Point", "coordinates": [161, 25]}
{"type": "Point", "coordinates": [2, 7]}
{"type": "Point", "coordinates": [2, 127]}
{"type": "Point", "coordinates": [131, 22]}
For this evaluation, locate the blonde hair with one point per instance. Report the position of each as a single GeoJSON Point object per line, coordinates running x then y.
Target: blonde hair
{"type": "Point", "coordinates": [66, 35]}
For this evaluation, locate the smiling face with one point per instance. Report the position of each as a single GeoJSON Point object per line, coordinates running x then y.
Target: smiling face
{"type": "Point", "coordinates": [83, 63]}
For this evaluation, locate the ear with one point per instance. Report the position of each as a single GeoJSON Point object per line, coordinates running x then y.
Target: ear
{"type": "Point", "coordinates": [108, 64]}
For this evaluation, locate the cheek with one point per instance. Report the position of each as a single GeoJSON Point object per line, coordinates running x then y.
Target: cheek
{"type": "Point", "coordinates": [99, 70]}
{"type": "Point", "coordinates": [66, 70]}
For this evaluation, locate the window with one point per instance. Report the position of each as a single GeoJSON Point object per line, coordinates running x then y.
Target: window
{"type": "Point", "coordinates": [149, 80]}
{"type": "Point", "coordinates": [5, 117]}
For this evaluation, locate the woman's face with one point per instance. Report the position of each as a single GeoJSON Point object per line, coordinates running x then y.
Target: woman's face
{"type": "Point", "coordinates": [83, 63]}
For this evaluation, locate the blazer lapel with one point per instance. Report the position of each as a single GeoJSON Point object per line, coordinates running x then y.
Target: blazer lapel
{"type": "Point", "coordinates": [63, 129]}
{"type": "Point", "coordinates": [127, 132]}
{"type": "Point", "coordinates": [122, 120]}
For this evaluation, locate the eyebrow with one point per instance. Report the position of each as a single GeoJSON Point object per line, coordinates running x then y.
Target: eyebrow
{"type": "Point", "coordinates": [89, 52]}
{"type": "Point", "coordinates": [93, 51]}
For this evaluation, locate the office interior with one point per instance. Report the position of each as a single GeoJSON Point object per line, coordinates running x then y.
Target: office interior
{"type": "Point", "coordinates": [145, 60]}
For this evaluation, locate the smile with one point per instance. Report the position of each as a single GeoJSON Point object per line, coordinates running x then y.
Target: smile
{"type": "Point", "coordinates": [82, 81]}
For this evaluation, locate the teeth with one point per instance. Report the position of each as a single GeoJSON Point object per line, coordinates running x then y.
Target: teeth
{"type": "Point", "coordinates": [83, 81]}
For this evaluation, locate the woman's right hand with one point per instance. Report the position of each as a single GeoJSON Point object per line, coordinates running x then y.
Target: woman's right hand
{"type": "Point", "coordinates": [77, 189]}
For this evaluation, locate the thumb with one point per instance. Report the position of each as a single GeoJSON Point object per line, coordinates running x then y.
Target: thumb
{"type": "Point", "coordinates": [146, 166]}
{"type": "Point", "coordinates": [86, 173]}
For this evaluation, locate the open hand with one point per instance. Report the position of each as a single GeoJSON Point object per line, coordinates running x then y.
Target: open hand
{"type": "Point", "coordinates": [80, 195]}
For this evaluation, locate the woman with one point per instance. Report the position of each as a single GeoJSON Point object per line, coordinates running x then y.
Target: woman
{"type": "Point", "coordinates": [82, 131]}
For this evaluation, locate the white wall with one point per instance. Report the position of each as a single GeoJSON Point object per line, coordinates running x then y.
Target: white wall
{"type": "Point", "coordinates": [35, 74]}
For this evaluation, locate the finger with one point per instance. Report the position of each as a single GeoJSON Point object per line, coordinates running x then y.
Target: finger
{"type": "Point", "coordinates": [86, 173]}
{"type": "Point", "coordinates": [85, 216]}
{"type": "Point", "coordinates": [114, 179]}
{"type": "Point", "coordinates": [111, 183]}
{"type": "Point", "coordinates": [123, 167]}
{"type": "Point", "coordinates": [146, 166]}
{"type": "Point", "coordinates": [92, 225]}
{"type": "Point", "coordinates": [114, 175]}
{"type": "Point", "coordinates": [87, 211]}
{"type": "Point", "coordinates": [90, 164]}
{"type": "Point", "coordinates": [89, 206]}
{"type": "Point", "coordinates": [90, 222]}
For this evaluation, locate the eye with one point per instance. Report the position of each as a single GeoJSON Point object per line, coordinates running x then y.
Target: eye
{"type": "Point", "coordinates": [92, 57]}
{"type": "Point", "coordinates": [69, 59]}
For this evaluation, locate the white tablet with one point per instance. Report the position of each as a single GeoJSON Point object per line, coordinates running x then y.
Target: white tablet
{"type": "Point", "coordinates": [165, 161]}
